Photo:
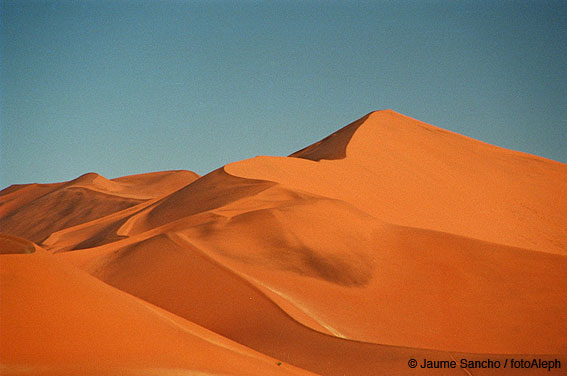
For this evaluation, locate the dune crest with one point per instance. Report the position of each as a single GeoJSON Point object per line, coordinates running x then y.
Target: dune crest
{"type": "Point", "coordinates": [406, 172]}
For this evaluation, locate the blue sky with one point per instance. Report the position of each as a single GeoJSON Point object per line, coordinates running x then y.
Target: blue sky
{"type": "Point", "coordinates": [122, 87]}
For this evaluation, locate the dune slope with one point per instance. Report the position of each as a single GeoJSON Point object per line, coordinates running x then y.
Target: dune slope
{"type": "Point", "coordinates": [82, 200]}
{"type": "Point", "coordinates": [410, 173]}
{"type": "Point", "coordinates": [57, 319]}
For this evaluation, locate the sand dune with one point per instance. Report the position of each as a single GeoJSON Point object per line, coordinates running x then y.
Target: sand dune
{"type": "Point", "coordinates": [414, 174]}
{"type": "Point", "coordinates": [82, 200]}
{"type": "Point", "coordinates": [18, 196]}
{"type": "Point", "coordinates": [57, 318]}
{"type": "Point", "coordinates": [388, 240]}
{"type": "Point", "coordinates": [424, 274]}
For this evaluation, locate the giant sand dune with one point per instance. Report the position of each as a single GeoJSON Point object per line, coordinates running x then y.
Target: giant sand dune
{"type": "Point", "coordinates": [389, 240]}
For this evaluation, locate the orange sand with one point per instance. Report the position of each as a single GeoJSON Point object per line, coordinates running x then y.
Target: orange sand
{"type": "Point", "coordinates": [390, 239]}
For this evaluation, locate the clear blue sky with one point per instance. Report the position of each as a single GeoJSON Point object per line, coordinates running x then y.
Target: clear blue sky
{"type": "Point", "coordinates": [122, 86]}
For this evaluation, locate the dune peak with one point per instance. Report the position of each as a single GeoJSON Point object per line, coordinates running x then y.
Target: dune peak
{"type": "Point", "coordinates": [334, 146]}
{"type": "Point", "coordinates": [89, 177]}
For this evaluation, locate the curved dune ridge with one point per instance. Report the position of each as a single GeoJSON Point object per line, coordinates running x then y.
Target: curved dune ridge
{"type": "Point", "coordinates": [410, 173]}
{"type": "Point", "coordinates": [390, 239]}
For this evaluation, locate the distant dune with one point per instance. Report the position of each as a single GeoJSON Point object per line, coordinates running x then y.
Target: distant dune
{"type": "Point", "coordinates": [389, 240]}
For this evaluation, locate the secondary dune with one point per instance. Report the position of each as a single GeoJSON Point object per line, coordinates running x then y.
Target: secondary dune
{"type": "Point", "coordinates": [17, 196]}
{"type": "Point", "coordinates": [57, 319]}
{"type": "Point", "coordinates": [82, 200]}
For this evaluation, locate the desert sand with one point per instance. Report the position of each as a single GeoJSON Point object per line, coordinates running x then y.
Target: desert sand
{"type": "Point", "coordinates": [389, 240]}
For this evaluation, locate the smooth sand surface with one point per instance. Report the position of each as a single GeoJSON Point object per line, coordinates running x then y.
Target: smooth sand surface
{"type": "Point", "coordinates": [410, 173]}
{"type": "Point", "coordinates": [390, 239]}
{"type": "Point", "coordinates": [56, 318]}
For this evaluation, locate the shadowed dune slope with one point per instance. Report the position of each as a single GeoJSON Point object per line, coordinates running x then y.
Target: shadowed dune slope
{"type": "Point", "coordinates": [55, 317]}
{"type": "Point", "coordinates": [333, 146]}
{"type": "Point", "coordinates": [98, 232]}
{"type": "Point", "coordinates": [66, 207]}
{"type": "Point", "coordinates": [45, 209]}
{"type": "Point", "coordinates": [16, 197]}
{"type": "Point", "coordinates": [210, 192]}
{"type": "Point", "coordinates": [14, 245]}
